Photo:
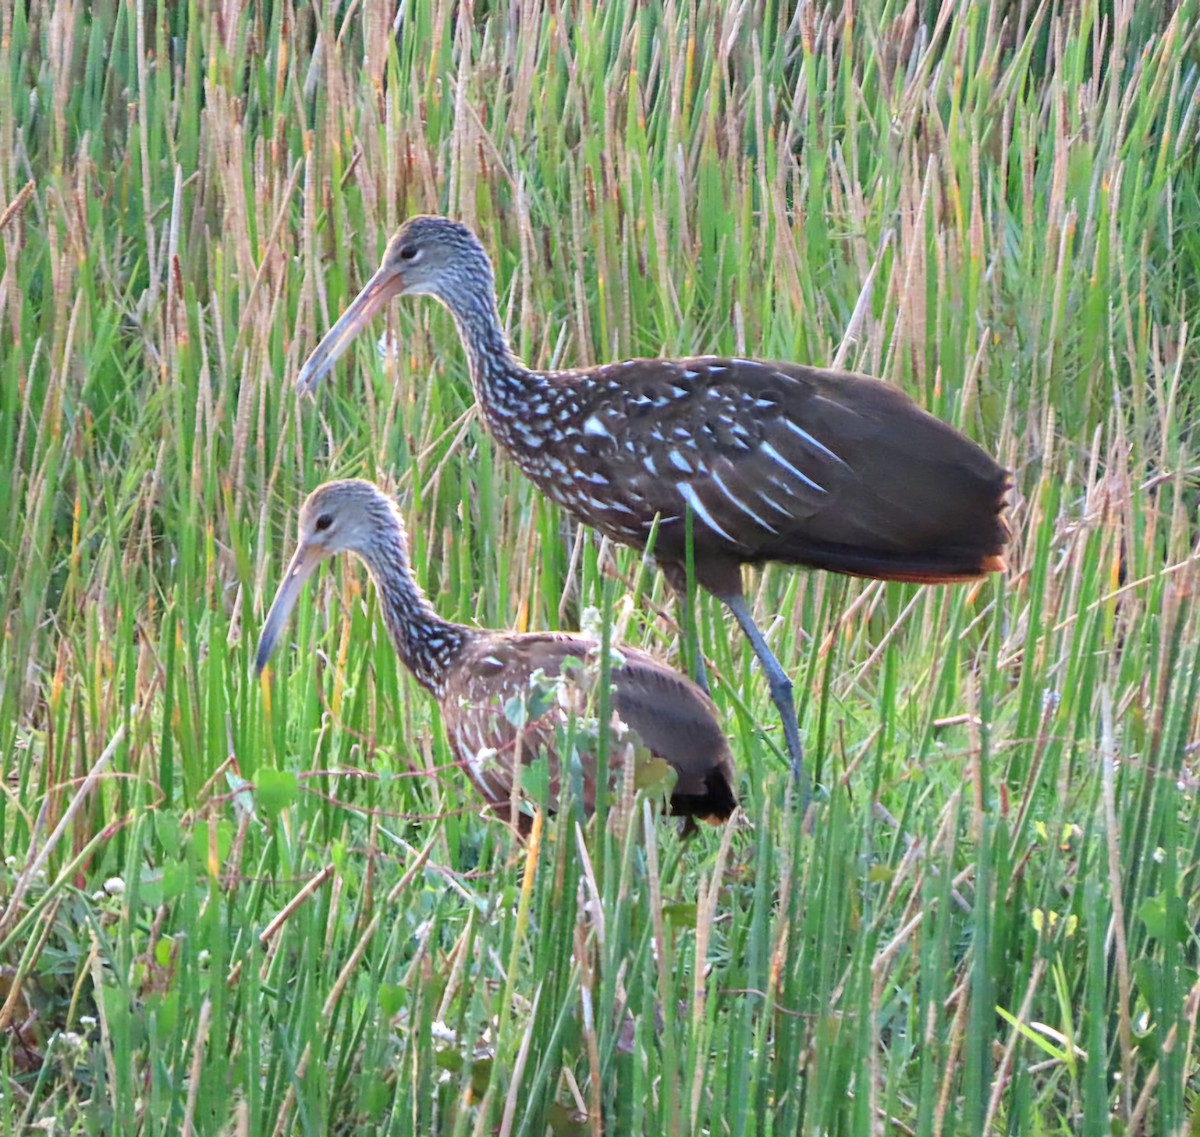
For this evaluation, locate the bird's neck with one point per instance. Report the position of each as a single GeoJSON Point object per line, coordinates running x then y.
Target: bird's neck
{"type": "Point", "coordinates": [505, 388]}
{"type": "Point", "coordinates": [427, 645]}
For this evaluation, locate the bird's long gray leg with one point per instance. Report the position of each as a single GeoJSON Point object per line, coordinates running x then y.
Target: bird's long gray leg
{"type": "Point", "coordinates": [781, 690]}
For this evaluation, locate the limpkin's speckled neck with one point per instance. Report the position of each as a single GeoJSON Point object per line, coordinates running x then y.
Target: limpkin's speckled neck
{"type": "Point", "coordinates": [513, 397]}
{"type": "Point", "coordinates": [427, 645]}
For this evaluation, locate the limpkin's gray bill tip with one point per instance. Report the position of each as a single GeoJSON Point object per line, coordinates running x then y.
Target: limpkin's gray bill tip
{"type": "Point", "coordinates": [264, 653]}
{"type": "Point", "coordinates": [307, 380]}
{"type": "Point", "coordinates": [269, 637]}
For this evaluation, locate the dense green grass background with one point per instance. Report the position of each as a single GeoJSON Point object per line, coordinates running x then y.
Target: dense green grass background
{"type": "Point", "coordinates": [229, 906]}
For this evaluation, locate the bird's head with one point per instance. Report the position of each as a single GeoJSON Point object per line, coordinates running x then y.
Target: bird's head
{"type": "Point", "coordinates": [338, 517]}
{"type": "Point", "coordinates": [431, 256]}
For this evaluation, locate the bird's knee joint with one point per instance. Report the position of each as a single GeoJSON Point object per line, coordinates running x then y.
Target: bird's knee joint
{"type": "Point", "coordinates": [781, 687]}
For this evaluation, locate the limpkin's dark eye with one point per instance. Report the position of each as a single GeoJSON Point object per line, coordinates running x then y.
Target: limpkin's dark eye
{"type": "Point", "coordinates": [409, 252]}
{"type": "Point", "coordinates": [323, 522]}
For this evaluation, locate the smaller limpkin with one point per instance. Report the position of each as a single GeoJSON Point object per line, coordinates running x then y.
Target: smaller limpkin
{"type": "Point", "coordinates": [506, 696]}
{"type": "Point", "coordinates": [762, 461]}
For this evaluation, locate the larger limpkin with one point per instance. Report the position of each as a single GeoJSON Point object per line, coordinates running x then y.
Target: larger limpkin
{"type": "Point", "coordinates": [506, 696]}
{"type": "Point", "coordinates": [762, 461]}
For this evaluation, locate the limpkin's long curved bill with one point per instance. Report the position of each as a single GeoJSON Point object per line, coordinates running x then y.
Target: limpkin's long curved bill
{"type": "Point", "coordinates": [306, 558]}
{"type": "Point", "coordinates": [385, 284]}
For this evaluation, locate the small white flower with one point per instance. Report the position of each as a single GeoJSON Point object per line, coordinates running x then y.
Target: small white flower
{"type": "Point", "coordinates": [114, 886]}
{"type": "Point", "coordinates": [387, 346]}
{"type": "Point", "coordinates": [440, 1032]}
{"type": "Point", "coordinates": [591, 622]}
{"type": "Point", "coordinates": [71, 1042]}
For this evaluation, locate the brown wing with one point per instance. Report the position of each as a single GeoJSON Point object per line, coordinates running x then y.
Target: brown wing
{"type": "Point", "coordinates": [780, 462]}
{"type": "Point", "coordinates": [677, 721]}
{"type": "Point", "coordinates": [511, 697]}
